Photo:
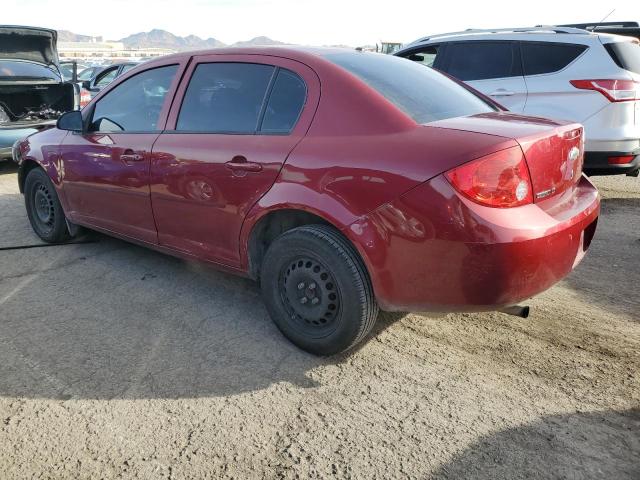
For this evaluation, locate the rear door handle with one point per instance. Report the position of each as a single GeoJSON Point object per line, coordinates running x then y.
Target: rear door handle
{"type": "Point", "coordinates": [131, 156]}
{"type": "Point", "coordinates": [501, 92]}
{"type": "Point", "coordinates": [240, 164]}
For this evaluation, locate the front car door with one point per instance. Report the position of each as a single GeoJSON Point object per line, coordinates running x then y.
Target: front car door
{"type": "Point", "coordinates": [491, 67]}
{"type": "Point", "coordinates": [106, 168]}
{"type": "Point", "coordinates": [232, 125]}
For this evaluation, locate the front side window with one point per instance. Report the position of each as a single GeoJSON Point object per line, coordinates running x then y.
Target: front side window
{"type": "Point", "coordinates": [469, 61]}
{"type": "Point", "coordinates": [106, 78]}
{"type": "Point", "coordinates": [422, 93]}
{"type": "Point", "coordinates": [135, 104]}
{"type": "Point", "coordinates": [540, 57]}
{"type": "Point", "coordinates": [225, 98]}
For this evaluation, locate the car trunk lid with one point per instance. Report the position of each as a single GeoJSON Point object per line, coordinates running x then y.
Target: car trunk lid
{"type": "Point", "coordinates": [28, 43]}
{"type": "Point", "coordinates": [553, 150]}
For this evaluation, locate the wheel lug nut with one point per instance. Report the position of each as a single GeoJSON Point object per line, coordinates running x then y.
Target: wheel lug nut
{"type": "Point", "coordinates": [315, 301]}
{"type": "Point", "coordinates": [303, 300]}
{"type": "Point", "coordinates": [301, 285]}
{"type": "Point", "coordinates": [312, 286]}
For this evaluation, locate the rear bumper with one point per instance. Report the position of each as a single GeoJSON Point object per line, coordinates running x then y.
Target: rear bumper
{"type": "Point", "coordinates": [432, 250]}
{"type": "Point", "coordinates": [597, 163]}
{"type": "Point", "coordinates": [8, 136]}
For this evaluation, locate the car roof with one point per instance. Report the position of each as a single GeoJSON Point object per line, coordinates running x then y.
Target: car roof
{"type": "Point", "coordinates": [545, 34]}
{"type": "Point", "coordinates": [304, 54]}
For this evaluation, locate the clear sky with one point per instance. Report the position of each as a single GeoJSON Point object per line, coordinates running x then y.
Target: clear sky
{"type": "Point", "coordinates": [312, 22]}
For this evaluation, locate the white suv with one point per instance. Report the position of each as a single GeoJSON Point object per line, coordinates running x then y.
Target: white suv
{"type": "Point", "coordinates": [556, 72]}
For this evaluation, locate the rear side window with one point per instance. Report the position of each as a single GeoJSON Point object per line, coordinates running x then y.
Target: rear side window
{"type": "Point", "coordinates": [540, 57]}
{"type": "Point", "coordinates": [285, 103]}
{"type": "Point", "coordinates": [225, 98]}
{"type": "Point", "coordinates": [422, 93]}
{"type": "Point", "coordinates": [470, 61]}
{"type": "Point", "coordinates": [625, 54]}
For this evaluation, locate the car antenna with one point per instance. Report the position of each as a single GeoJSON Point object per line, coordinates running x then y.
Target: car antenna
{"type": "Point", "coordinates": [593, 29]}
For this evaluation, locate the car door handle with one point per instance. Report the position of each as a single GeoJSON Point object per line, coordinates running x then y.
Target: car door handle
{"type": "Point", "coordinates": [501, 92]}
{"type": "Point", "coordinates": [240, 164]}
{"type": "Point", "coordinates": [131, 156]}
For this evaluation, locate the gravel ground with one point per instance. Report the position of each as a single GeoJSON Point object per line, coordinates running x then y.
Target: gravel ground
{"type": "Point", "coordinates": [119, 362]}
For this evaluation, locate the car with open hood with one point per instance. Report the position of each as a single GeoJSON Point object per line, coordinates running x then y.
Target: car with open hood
{"type": "Point", "coordinates": [33, 92]}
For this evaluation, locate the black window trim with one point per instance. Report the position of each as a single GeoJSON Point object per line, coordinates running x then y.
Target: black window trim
{"type": "Point", "coordinates": [89, 118]}
{"type": "Point", "coordinates": [263, 108]}
{"type": "Point", "coordinates": [539, 42]}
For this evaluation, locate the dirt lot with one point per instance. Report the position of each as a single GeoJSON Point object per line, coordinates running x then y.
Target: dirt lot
{"type": "Point", "coordinates": [118, 362]}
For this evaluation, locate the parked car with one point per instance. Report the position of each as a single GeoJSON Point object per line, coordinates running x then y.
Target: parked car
{"type": "Point", "coordinates": [33, 93]}
{"type": "Point", "coordinates": [101, 78]}
{"type": "Point", "coordinates": [396, 188]}
{"type": "Point", "coordinates": [555, 72]}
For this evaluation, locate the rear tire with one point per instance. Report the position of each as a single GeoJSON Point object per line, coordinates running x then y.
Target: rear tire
{"type": "Point", "coordinates": [43, 207]}
{"type": "Point", "coordinates": [317, 290]}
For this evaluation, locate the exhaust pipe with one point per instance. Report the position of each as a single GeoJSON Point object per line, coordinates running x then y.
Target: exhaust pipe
{"type": "Point", "coordinates": [516, 310]}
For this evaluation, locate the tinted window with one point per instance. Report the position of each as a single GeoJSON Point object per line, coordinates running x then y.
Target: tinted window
{"type": "Point", "coordinates": [625, 54]}
{"type": "Point", "coordinates": [422, 93]}
{"type": "Point", "coordinates": [225, 98]}
{"type": "Point", "coordinates": [135, 104]}
{"type": "Point", "coordinates": [469, 61]}
{"type": "Point", "coordinates": [541, 58]}
{"type": "Point", "coordinates": [425, 56]}
{"type": "Point", "coordinates": [25, 70]}
{"type": "Point", "coordinates": [285, 103]}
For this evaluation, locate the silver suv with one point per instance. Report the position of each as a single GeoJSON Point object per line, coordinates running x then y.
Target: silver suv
{"type": "Point", "coordinates": [555, 72]}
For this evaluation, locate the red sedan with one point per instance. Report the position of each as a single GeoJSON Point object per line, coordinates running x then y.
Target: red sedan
{"type": "Point", "coordinates": [343, 181]}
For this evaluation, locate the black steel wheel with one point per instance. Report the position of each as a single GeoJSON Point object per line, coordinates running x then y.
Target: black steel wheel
{"type": "Point", "coordinates": [43, 207]}
{"type": "Point", "coordinates": [317, 290]}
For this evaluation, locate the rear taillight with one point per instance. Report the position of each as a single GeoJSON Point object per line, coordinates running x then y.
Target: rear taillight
{"type": "Point", "coordinates": [621, 160]}
{"type": "Point", "coordinates": [498, 180]}
{"type": "Point", "coordinates": [614, 90]}
{"type": "Point", "coordinates": [85, 97]}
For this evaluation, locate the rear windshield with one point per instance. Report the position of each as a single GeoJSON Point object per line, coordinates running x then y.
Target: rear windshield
{"type": "Point", "coordinates": [14, 70]}
{"type": "Point", "coordinates": [625, 54]}
{"type": "Point", "coordinates": [419, 91]}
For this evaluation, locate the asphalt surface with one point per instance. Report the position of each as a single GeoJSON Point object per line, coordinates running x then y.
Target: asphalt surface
{"type": "Point", "coordinates": [120, 362]}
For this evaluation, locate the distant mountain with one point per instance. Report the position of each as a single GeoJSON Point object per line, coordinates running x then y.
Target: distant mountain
{"type": "Point", "coordinates": [67, 36]}
{"type": "Point", "coordinates": [162, 39]}
{"type": "Point", "coordinates": [157, 38]}
{"type": "Point", "coordinates": [257, 41]}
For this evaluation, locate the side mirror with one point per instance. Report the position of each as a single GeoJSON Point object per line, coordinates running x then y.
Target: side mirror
{"type": "Point", "coordinates": [86, 84]}
{"type": "Point", "coordinates": [71, 121]}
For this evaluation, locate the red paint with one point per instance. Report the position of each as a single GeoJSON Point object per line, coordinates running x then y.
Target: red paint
{"type": "Point", "coordinates": [354, 160]}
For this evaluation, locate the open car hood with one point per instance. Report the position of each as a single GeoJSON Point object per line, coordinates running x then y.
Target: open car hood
{"type": "Point", "coordinates": [28, 43]}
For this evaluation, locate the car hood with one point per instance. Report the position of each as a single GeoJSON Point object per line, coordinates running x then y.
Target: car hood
{"type": "Point", "coordinates": [28, 43]}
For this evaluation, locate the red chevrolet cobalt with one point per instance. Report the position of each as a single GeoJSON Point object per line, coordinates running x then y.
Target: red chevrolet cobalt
{"type": "Point", "coordinates": [343, 181]}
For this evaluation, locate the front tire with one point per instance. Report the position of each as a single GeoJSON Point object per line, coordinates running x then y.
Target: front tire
{"type": "Point", "coordinates": [43, 207]}
{"type": "Point", "coordinates": [317, 290]}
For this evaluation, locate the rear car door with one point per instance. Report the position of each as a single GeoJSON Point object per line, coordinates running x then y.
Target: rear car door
{"type": "Point", "coordinates": [106, 168]}
{"type": "Point", "coordinates": [492, 67]}
{"type": "Point", "coordinates": [233, 123]}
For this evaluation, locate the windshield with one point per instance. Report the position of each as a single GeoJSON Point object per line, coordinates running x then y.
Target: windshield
{"type": "Point", "coordinates": [16, 70]}
{"type": "Point", "coordinates": [421, 92]}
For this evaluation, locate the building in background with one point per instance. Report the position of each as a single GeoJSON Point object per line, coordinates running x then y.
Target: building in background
{"type": "Point", "coordinates": [106, 52]}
